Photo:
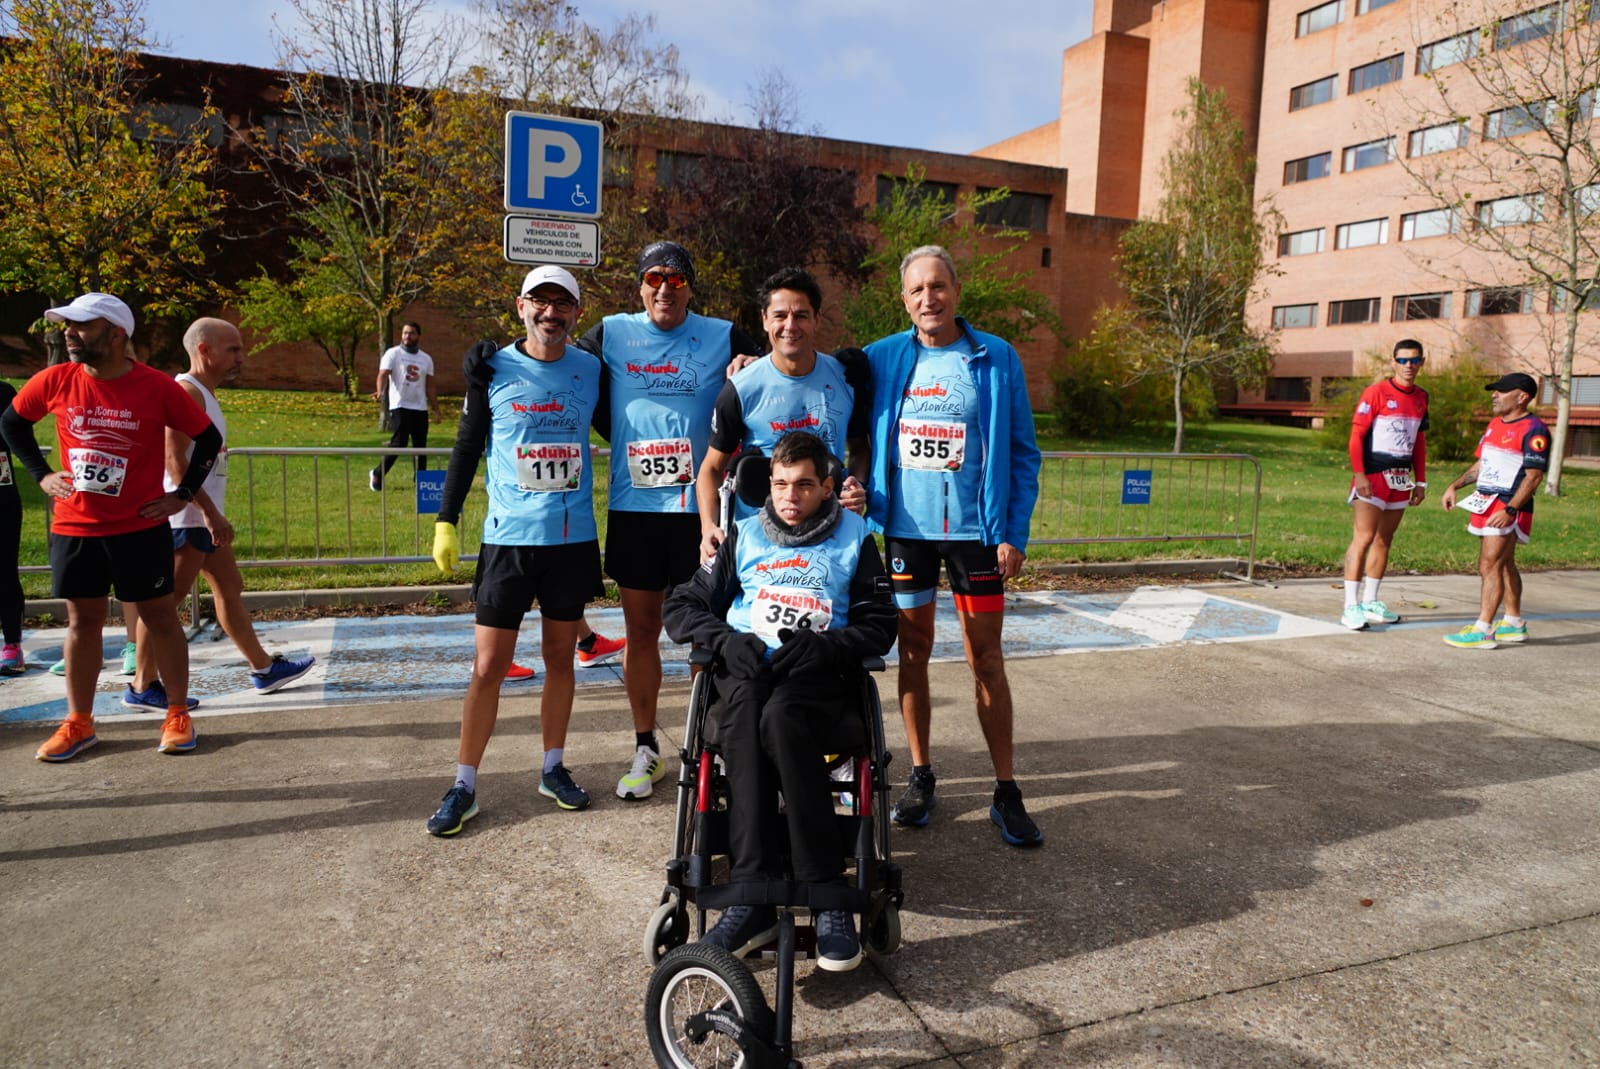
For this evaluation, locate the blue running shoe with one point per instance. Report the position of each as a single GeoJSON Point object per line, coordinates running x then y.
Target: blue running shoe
{"type": "Point", "coordinates": [1470, 638]}
{"type": "Point", "coordinates": [459, 806]}
{"type": "Point", "coordinates": [280, 673]}
{"type": "Point", "coordinates": [838, 948]}
{"type": "Point", "coordinates": [742, 929]}
{"type": "Point", "coordinates": [915, 807]}
{"type": "Point", "coordinates": [153, 698]}
{"type": "Point", "coordinates": [557, 784]}
{"type": "Point", "coordinates": [1008, 814]}
{"type": "Point", "coordinates": [1506, 632]}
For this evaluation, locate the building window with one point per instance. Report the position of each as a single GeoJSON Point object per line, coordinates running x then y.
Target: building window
{"type": "Point", "coordinates": [1359, 235]}
{"type": "Point", "coordinates": [1289, 389]}
{"type": "Point", "coordinates": [1344, 313]}
{"type": "Point", "coordinates": [1371, 154]}
{"type": "Point", "coordinates": [1510, 211]}
{"type": "Point", "coordinates": [1294, 316]}
{"type": "Point", "coordinates": [1307, 167]}
{"type": "Point", "coordinates": [1421, 306]}
{"type": "Point", "coordinates": [1018, 211]}
{"type": "Point", "coordinates": [1300, 243]}
{"type": "Point", "coordinates": [1321, 17]}
{"type": "Point", "coordinates": [1510, 122]}
{"type": "Point", "coordinates": [1585, 390]}
{"type": "Point", "coordinates": [1317, 92]}
{"type": "Point", "coordinates": [1499, 301]}
{"type": "Point", "coordinates": [677, 170]}
{"type": "Point", "coordinates": [1451, 50]}
{"type": "Point", "coordinates": [944, 192]}
{"type": "Point", "coordinates": [1364, 7]}
{"type": "Point", "coordinates": [1379, 72]}
{"type": "Point", "coordinates": [1441, 138]}
{"type": "Point", "coordinates": [1430, 224]}
{"type": "Point", "coordinates": [1528, 26]}
{"type": "Point", "coordinates": [1586, 201]}
{"type": "Point", "coordinates": [618, 167]}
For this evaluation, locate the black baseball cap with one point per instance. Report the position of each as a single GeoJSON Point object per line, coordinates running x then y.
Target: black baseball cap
{"type": "Point", "coordinates": [1515, 381]}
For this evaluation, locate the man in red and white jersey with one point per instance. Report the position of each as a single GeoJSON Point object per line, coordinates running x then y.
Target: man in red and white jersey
{"type": "Point", "coordinates": [109, 525]}
{"type": "Point", "coordinates": [1513, 455]}
{"type": "Point", "coordinates": [1389, 462]}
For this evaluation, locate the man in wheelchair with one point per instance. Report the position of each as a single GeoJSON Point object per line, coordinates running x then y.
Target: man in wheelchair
{"type": "Point", "coordinates": [790, 604]}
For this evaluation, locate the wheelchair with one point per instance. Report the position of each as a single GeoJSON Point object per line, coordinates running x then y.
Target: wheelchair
{"type": "Point", "coordinates": [703, 1007]}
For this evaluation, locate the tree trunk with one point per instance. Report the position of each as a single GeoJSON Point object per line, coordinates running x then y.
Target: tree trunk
{"type": "Point", "coordinates": [1558, 436]}
{"type": "Point", "coordinates": [1177, 411]}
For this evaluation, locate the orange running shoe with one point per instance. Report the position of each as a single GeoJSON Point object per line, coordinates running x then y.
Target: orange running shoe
{"type": "Point", "coordinates": [604, 649]}
{"type": "Point", "coordinates": [75, 735]}
{"type": "Point", "coordinates": [177, 734]}
{"type": "Point", "coordinates": [518, 674]}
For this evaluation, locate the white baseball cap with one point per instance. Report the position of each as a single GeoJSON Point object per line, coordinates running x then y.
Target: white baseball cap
{"type": "Point", "coordinates": [558, 276]}
{"type": "Point", "coordinates": [95, 306]}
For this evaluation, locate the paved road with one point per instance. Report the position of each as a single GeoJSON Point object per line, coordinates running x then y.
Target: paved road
{"type": "Point", "coordinates": [1328, 850]}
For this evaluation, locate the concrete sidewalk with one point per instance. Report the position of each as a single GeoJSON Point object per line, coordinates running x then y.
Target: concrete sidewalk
{"type": "Point", "coordinates": [1338, 850]}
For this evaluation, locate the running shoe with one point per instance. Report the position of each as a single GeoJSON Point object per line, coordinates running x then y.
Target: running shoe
{"type": "Point", "coordinates": [280, 673]}
{"type": "Point", "coordinates": [130, 659]}
{"type": "Point", "coordinates": [59, 668]}
{"type": "Point", "coordinates": [12, 663]}
{"type": "Point", "coordinates": [153, 697]}
{"type": "Point", "coordinates": [742, 929]}
{"type": "Point", "coordinates": [838, 948]}
{"type": "Point", "coordinates": [1354, 618]}
{"type": "Point", "coordinates": [1008, 814]}
{"type": "Point", "coordinates": [557, 784]}
{"type": "Point", "coordinates": [374, 481]}
{"type": "Point", "coordinates": [74, 736]}
{"type": "Point", "coordinates": [1470, 638]}
{"type": "Point", "coordinates": [459, 806]}
{"type": "Point", "coordinates": [518, 674]}
{"type": "Point", "coordinates": [915, 807]}
{"type": "Point", "coordinates": [177, 734]}
{"type": "Point", "coordinates": [604, 649]}
{"type": "Point", "coordinates": [640, 780]}
{"type": "Point", "coordinates": [1504, 632]}
{"type": "Point", "coordinates": [1377, 612]}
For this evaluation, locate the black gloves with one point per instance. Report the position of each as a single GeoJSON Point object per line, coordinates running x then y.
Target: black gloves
{"type": "Point", "coordinates": [802, 651]}
{"type": "Point", "coordinates": [742, 654]}
{"type": "Point", "coordinates": [475, 364]}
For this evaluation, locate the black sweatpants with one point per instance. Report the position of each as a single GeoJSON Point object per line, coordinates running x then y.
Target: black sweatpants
{"type": "Point", "coordinates": [10, 579]}
{"type": "Point", "coordinates": [410, 431]}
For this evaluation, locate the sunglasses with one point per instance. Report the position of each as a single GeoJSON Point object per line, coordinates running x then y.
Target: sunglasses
{"type": "Point", "coordinates": [654, 279]}
{"type": "Point", "coordinates": [1408, 361]}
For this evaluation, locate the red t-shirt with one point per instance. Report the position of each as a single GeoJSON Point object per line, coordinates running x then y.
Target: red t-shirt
{"type": "Point", "coordinates": [113, 436]}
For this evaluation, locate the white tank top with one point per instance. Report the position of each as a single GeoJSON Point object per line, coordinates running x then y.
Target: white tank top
{"type": "Point", "coordinates": [216, 484]}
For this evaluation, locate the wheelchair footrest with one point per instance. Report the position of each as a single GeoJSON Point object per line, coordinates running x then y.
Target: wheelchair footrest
{"type": "Point", "coordinates": [813, 896]}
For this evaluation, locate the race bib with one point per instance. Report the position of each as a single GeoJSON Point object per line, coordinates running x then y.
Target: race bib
{"type": "Point", "coordinates": [661, 462]}
{"type": "Point", "coordinates": [1398, 479]}
{"type": "Point", "coordinates": [1476, 503]}
{"type": "Point", "coordinates": [97, 472]}
{"type": "Point", "coordinates": [780, 608]}
{"type": "Point", "coordinates": [549, 467]}
{"type": "Point", "coordinates": [219, 467]}
{"type": "Point", "coordinates": [932, 445]}
{"type": "Point", "coordinates": [5, 469]}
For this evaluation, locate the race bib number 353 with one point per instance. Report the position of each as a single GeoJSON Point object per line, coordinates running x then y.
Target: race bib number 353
{"type": "Point", "coordinates": [97, 472]}
{"type": "Point", "coordinates": [549, 467]}
{"type": "Point", "coordinates": [661, 462]}
{"type": "Point", "coordinates": [932, 445]}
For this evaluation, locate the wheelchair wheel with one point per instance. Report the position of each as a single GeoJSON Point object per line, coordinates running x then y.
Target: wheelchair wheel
{"type": "Point", "coordinates": [696, 979]}
{"type": "Point", "coordinates": [668, 928]}
{"type": "Point", "coordinates": [883, 928]}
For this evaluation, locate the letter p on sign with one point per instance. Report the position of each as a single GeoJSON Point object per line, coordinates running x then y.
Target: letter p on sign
{"type": "Point", "coordinates": [553, 165]}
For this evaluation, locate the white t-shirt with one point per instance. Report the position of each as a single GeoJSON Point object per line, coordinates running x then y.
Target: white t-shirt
{"type": "Point", "coordinates": [408, 377]}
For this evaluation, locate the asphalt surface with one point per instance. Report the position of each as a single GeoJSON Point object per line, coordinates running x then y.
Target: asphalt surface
{"type": "Point", "coordinates": [1290, 847]}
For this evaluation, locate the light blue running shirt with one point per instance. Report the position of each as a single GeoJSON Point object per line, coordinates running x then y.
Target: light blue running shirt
{"type": "Point", "coordinates": [936, 464]}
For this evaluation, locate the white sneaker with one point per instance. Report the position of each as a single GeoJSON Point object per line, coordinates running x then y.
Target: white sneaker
{"type": "Point", "coordinates": [1354, 618]}
{"type": "Point", "coordinates": [640, 781]}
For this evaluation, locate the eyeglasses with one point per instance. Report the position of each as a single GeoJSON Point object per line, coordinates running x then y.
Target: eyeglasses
{"type": "Point", "coordinates": [676, 280]}
{"type": "Point", "coordinates": [1409, 361]}
{"type": "Point", "coordinates": [560, 304]}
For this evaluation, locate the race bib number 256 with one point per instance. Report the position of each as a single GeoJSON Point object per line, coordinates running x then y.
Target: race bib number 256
{"type": "Point", "coordinates": [97, 472]}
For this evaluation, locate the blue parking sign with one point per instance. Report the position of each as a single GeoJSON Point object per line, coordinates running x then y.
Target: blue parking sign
{"type": "Point", "coordinates": [553, 164]}
{"type": "Point", "coordinates": [1136, 487]}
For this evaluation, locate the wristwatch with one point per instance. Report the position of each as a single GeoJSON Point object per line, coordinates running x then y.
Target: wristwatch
{"type": "Point", "coordinates": [184, 493]}
{"type": "Point", "coordinates": [1513, 512]}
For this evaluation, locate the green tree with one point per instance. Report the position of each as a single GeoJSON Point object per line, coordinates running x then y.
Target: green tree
{"type": "Point", "coordinates": [95, 193]}
{"type": "Point", "coordinates": [312, 304]}
{"type": "Point", "coordinates": [1189, 272]}
{"type": "Point", "coordinates": [996, 299]}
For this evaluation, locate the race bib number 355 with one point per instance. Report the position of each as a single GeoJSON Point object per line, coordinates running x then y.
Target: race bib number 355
{"type": "Point", "coordinates": [549, 467]}
{"type": "Point", "coordinates": [661, 462]}
{"type": "Point", "coordinates": [932, 445]}
{"type": "Point", "coordinates": [792, 608]}
{"type": "Point", "coordinates": [97, 472]}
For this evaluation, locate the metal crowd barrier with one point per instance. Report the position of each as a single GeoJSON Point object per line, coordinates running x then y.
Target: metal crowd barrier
{"type": "Point", "coordinates": [1088, 498]}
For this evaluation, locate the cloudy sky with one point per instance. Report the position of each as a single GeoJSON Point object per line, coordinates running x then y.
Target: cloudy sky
{"type": "Point", "coordinates": [939, 74]}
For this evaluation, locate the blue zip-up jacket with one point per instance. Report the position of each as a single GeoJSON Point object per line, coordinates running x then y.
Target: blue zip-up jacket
{"type": "Point", "coordinates": [1010, 454]}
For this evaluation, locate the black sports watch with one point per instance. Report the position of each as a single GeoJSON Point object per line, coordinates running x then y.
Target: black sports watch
{"type": "Point", "coordinates": [184, 493]}
{"type": "Point", "coordinates": [1512, 511]}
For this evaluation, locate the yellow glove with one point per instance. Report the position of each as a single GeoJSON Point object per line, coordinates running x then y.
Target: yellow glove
{"type": "Point", "coordinates": [446, 547]}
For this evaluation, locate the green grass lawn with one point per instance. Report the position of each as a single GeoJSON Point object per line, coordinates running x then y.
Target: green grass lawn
{"type": "Point", "coordinates": [303, 507]}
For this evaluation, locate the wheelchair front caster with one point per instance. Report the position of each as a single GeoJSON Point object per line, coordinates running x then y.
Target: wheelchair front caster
{"type": "Point", "coordinates": [882, 928]}
{"type": "Point", "coordinates": [703, 1008]}
{"type": "Point", "coordinates": [668, 928]}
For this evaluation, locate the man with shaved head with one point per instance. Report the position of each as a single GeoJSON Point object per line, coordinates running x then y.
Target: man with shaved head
{"type": "Point", "coordinates": [202, 537]}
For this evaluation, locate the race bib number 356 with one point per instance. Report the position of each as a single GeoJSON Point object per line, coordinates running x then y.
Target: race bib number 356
{"type": "Point", "coordinates": [661, 462]}
{"type": "Point", "coordinates": [779, 608]}
{"type": "Point", "coordinates": [97, 472]}
{"type": "Point", "coordinates": [549, 467]}
{"type": "Point", "coordinates": [932, 445]}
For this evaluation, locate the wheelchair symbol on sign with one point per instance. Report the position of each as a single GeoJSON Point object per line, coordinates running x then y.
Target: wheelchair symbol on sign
{"type": "Point", "coordinates": [579, 198]}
